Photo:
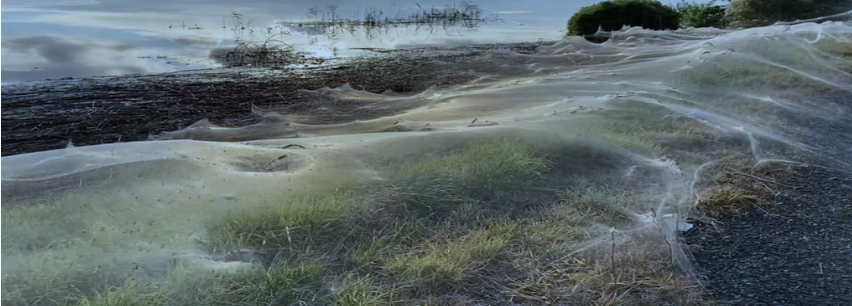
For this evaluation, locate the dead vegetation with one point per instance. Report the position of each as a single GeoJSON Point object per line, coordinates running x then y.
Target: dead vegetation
{"type": "Point", "coordinates": [40, 116]}
{"type": "Point", "coordinates": [370, 24]}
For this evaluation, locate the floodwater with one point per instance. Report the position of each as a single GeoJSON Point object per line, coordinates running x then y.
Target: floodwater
{"type": "Point", "coordinates": [55, 39]}
{"type": "Point", "coordinates": [662, 107]}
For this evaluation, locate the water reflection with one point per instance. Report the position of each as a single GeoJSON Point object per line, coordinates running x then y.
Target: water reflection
{"type": "Point", "coordinates": [195, 36]}
{"type": "Point", "coordinates": [260, 46]}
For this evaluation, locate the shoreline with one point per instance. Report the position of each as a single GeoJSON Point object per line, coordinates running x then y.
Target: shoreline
{"type": "Point", "coordinates": [109, 109]}
{"type": "Point", "coordinates": [760, 258]}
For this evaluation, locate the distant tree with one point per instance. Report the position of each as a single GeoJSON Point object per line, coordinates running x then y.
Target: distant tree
{"type": "Point", "coordinates": [752, 13]}
{"type": "Point", "coordinates": [701, 15]}
{"type": "Point", "coordinates": [613, 15]}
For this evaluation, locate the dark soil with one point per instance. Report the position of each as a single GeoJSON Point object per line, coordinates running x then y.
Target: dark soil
{"type": "Point", "coordinates": [46, 115]}
{"type": "Point", "coordinates": [798, 252]}
{"type": "Point", "coordinates": [796, 249]}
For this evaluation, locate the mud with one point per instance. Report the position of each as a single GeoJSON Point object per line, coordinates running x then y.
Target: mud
{"type": "Point", "coordinates": [50, 114]}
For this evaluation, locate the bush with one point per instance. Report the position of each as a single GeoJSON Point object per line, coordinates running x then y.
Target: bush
{"type": "Point", "coordinates": [754, 13]}
{"type": "Point", "coordinates": [701, 15]}
{"type": "Point", "coordinates": [613, 15]}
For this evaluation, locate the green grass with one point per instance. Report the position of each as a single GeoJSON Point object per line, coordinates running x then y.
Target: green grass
{"type": "Point", "coordinates": [44, 244]}
{"type": "Point", "coordinates": [128, 295]}
{"type": "Point", "coordinates": [284, 224]}
{"type": "Point", "coordinates": [363, 291]}
{"type": "Point", "coordinates": [280, 284]}
{"type": "Point", "coordinates": [784, 68]}
{"type": "Point", "coordinates": [31, 227]}
{"type": "Point", "coordinates": [605, 207]}
{"type": "Point", "coordinates": [787, 72]}
{"type": "Point", "coordinates": [486, 172]}
{"type": "Point", "coordinates": [438, 265]}
{"type": "Point", "coordinates": [488, 221]}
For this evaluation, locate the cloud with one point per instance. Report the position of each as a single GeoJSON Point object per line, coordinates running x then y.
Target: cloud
{"type": "Point", "coordinates": [204, 31]}
{"type": "Point", "coordinates": [57, 56]}
{"type": "Point", "coordinates": [205, 41]}
{"type": "Point", "coordinates": [60, 50]}
{"type": "Point", "coordinates": [15, 4]}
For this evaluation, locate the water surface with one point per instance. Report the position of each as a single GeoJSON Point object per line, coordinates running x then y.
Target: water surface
{"type": "Point", "coordinates": [54, 39]}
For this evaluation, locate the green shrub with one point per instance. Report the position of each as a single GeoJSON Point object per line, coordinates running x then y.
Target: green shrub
{"type": "Point", "coordinates": [613, 15]}
{"type": "Point", "coordinates": [754, 13]}
{"type": "Point", "coordinates": [701, 15]}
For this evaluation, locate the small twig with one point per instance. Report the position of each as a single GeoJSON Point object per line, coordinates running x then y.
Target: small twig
{"type": "Point", "coordinates": [612, 258]}
{"type": "Point", "coordinates": [762, 179]}
{"type": "Point", "coordinates": [761, 209]}
{"type": "Point", "coordinates": [666, 237]}
{"type": "Point", "coordinates": [99, 124]}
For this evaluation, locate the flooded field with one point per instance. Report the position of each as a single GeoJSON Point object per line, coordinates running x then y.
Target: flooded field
{"type": "Point", "coordinates": [655, 168]}
{"type": "Point", "coordinates": [99, 110]}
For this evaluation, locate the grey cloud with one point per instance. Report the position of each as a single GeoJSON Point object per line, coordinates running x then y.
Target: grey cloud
{"type": "Point", "coordinates": [66, 57]}
{"type": "Point", "coordinates": [53, 49]}
{"type": "Point", "coordinates": [59, 50]}
{"type": "Point", "coordinates": [192, 41]}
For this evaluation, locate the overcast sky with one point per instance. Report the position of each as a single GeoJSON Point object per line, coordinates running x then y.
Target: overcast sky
{"type": "Point", "coordinates": [53, 38]}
